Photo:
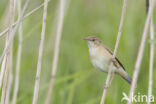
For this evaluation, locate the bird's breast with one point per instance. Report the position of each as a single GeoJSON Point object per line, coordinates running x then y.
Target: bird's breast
{"type": "Point", "coordinates": [100, 60]}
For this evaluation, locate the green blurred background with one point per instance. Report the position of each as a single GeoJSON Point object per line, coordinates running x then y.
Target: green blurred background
{"type": "Point", "coordinates": [77, 81]}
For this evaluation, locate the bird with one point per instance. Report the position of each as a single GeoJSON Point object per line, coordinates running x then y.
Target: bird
{"type": "Point", "coordinates": [101, 56]}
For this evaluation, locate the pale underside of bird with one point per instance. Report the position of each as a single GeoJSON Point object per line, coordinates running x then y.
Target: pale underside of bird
{"type": "Point", "coordinates": [101, 56]}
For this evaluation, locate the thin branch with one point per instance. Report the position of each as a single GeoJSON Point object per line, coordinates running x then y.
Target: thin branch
{"type": "Point", "coordinates": [7, 56]}
{"type": "Point", "coordinates": [9, 86]}
{"type": "Point", "coordinates": [108, 80]}
{"type": "Point", "coordinates": [56, 50]}
{"type": "Point", "coordinates": [25, 16]}
{"type": "Point", "coordinates": [2, 71]}
{"type": "Point", "coordinates": [12, 34]}
{"type": "Point", "coordinates": [3, 97]}
{"type": "Point", "coordinates": [6, 49]}
{"type": "Point", "coordinates": [150, 82]}
{"type": "Point", "coordinates": [37, 82]}
{"type": "Point", "coordinates": [151, 62]}
{"type": "Point", "coordinates": [10, 64]}
{"type": "Point", "coordinates": [140, 52]}
{"type": "Point", "coordinates": [19, 52]}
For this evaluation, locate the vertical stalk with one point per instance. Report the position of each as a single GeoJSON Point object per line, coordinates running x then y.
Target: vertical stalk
{"type": "Point", "coordinates": [37, 81]}
{"type": "Point", "coordinates": [140, 52]}
{"type": "Point", "coordinates": [19, 52]}
{"type": "Point", "coordinates": [108, 80]}
{"type": "Point", "coordinates": [56, 50]}
{"type": "Point", "coordinates": [151, 60]}
{"type": "Point", "coordinates": [7, 56]}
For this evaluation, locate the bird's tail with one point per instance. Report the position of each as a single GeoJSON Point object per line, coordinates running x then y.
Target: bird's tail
{"type": "Point", "coordinates": [124, 75]}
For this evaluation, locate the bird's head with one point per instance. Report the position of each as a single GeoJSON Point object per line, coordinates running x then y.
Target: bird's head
{"type": "Point", "coordinates": [93, 41]}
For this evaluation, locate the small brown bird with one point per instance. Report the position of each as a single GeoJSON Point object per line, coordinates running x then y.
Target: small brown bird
{"type": "Point", "coordinates": [101, 56]}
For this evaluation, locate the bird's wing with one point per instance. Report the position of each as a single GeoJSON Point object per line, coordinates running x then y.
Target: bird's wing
{"type": "Point", "coordinates": [118, 63]}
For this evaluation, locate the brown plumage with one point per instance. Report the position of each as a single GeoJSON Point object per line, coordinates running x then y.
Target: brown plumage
{"type": "Point", "coordinates": [100, 57]}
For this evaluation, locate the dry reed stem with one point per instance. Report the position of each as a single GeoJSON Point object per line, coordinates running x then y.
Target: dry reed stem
{"type": "Point", "coordinates": [12, 34]}
{"type": "Point", "coordinates": [108, 80]}
{"type": "Point", "coordinates": [37, 81]}
{"type": "Point", "coordinates": [150, 83]}
{"type": "Point", "coordinates": [19, 52]}
{"type": "Point", "coordinates": [9, 86]}
{"type": "Point", "coordinates": [10, 63]}
{"type": "Point", "coordinates": [2, 71]}
{"type": "Point", "coordinates": [8, 55]}
{"type": "Point", "coordinates": [25, 16]}
{"type": "Point", "coordinates": [56, 50]}
{"type": "Point", "coordinates": [151, 60]}
{"type": "Point", "coordinates": [10, 68]}
{"type": "Point", "coordinates": [140, 52]}
{"type": "Point", "coordinates": [3, 96]}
